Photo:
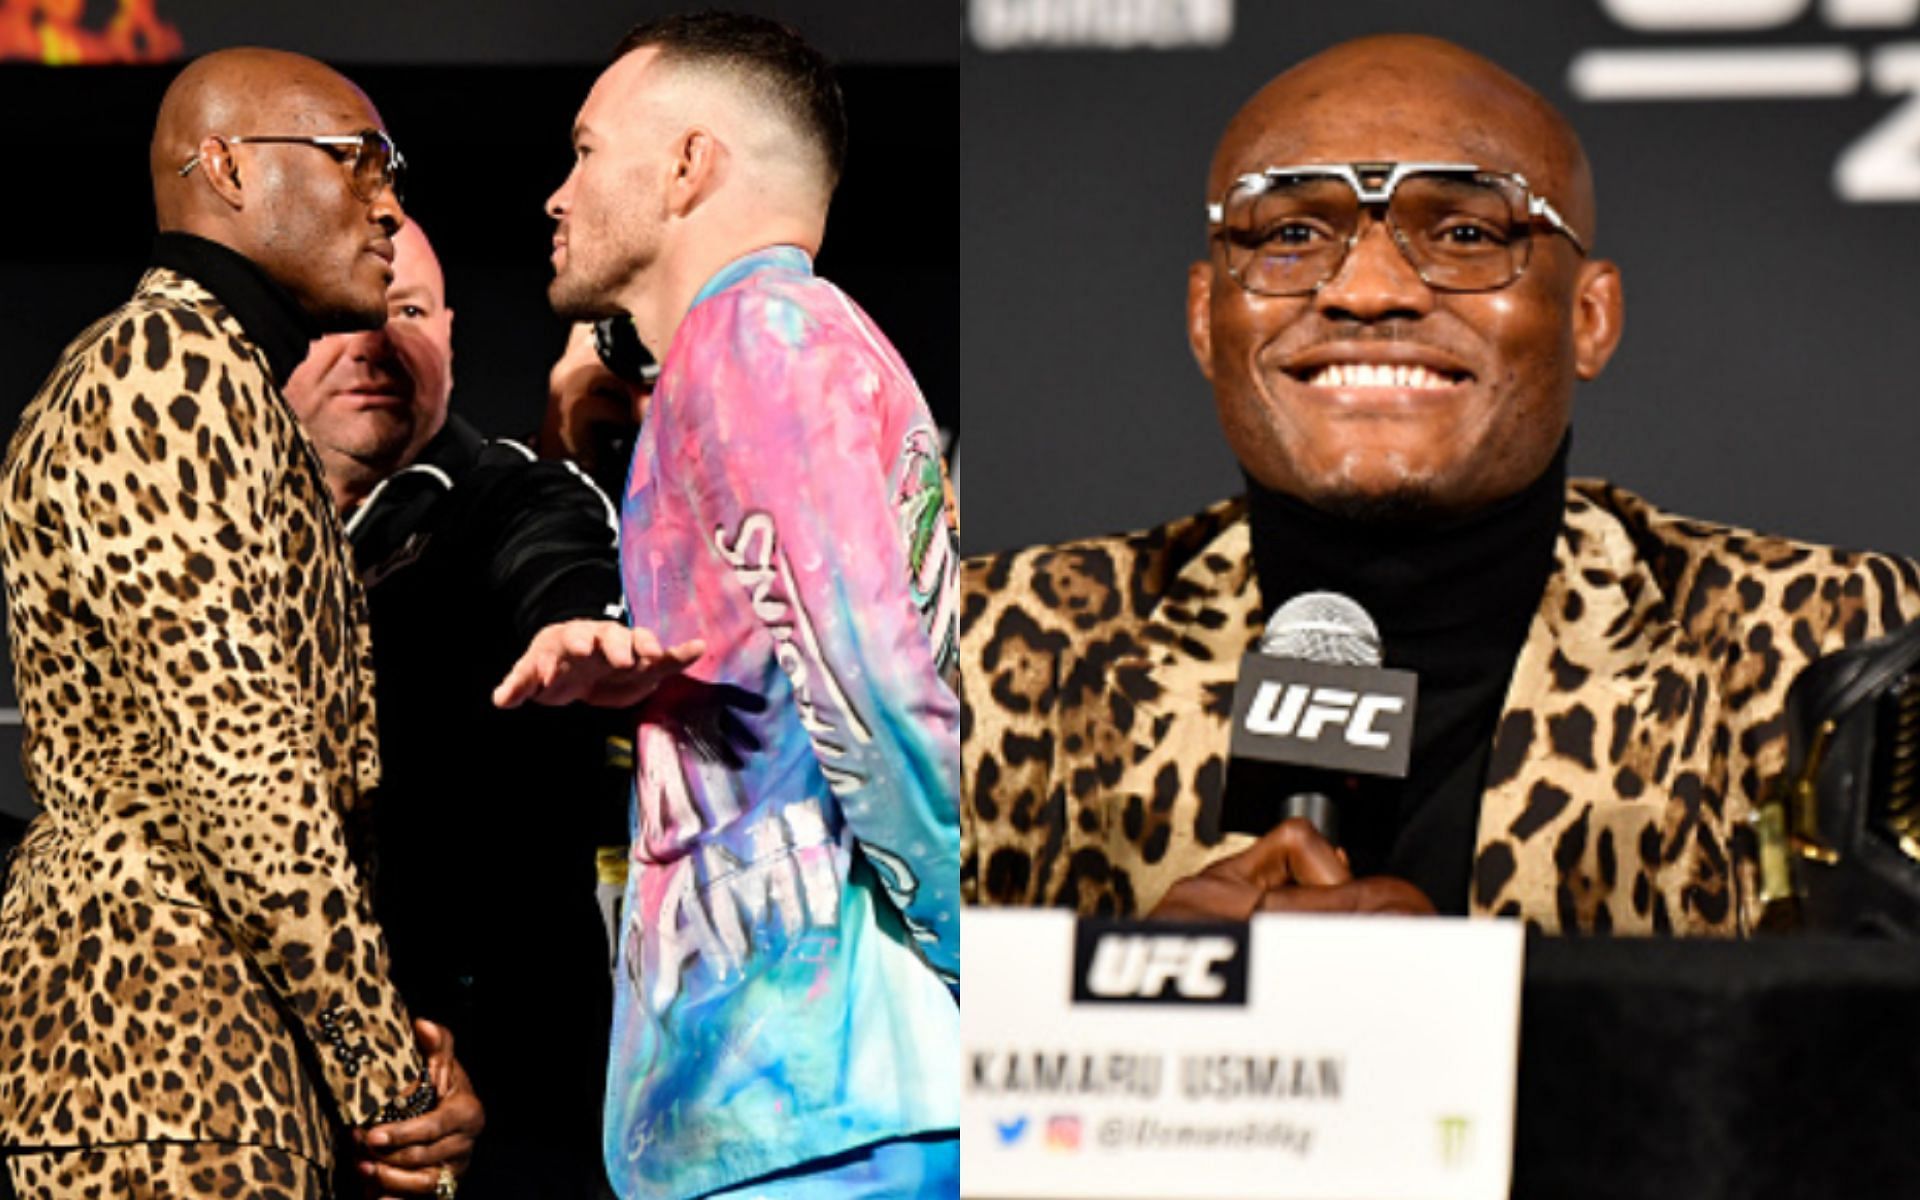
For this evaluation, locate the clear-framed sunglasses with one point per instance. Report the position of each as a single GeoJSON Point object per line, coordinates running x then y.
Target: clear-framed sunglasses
{"type": "Point", "coordinates": [372, 160]}
{"type": "Point", "coordinates": [1287, 230]}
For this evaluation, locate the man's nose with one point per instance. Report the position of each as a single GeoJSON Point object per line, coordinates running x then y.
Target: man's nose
{"type": "Point", "coordinates": [372, 346]}
{"type": "Point", "coordinates": [561, 200]}
{"type": "Point", "coordinates": [385, 211]}
{"type": "Point", "coordinates": [1375, 282]}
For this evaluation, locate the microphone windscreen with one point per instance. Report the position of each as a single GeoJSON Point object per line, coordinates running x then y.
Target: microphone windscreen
{"type": "Point", "coordinates": [1322, 627]}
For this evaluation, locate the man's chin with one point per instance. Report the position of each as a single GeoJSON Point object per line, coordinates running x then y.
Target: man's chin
{"type": "Point", "coordinates": [352, 315]}
{"type": "Point", "coordinates": [1405, 503]}
{"type": "Point", "coordinates": [1378, 482]}
{"type": "Point", "coordinates": [573, 302]}
{"type": "Point", "coordinates": [381, 458]}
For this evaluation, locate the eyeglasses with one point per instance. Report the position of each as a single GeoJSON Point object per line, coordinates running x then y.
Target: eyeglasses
{"type": "Point", "coordinates": [372, 160]}
{"type": "Point", "coordinates": [1288, 230]}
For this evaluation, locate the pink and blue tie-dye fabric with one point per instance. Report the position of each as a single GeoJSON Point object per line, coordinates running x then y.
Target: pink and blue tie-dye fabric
{"type": "Point", "coordinates": [788, 976]}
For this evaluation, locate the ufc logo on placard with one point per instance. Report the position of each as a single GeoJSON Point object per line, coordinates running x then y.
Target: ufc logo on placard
{"type": "Point", "coordinates": [1120, 964]}
{"type": "Point", "coordinates": [1297, 710]}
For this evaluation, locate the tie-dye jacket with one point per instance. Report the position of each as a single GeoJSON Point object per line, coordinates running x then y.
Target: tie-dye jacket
{"type": "Point", "coordinates": [789, 966]}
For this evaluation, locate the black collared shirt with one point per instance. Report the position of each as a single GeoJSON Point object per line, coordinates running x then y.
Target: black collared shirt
{"type": "Point", "coordinates": [273, 320]}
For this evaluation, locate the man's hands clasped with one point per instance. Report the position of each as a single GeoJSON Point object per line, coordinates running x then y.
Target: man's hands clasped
{"type": "Point", "coordinates": [1291, 869]}
{"type": "Point", "coordinates": [408, 1158]}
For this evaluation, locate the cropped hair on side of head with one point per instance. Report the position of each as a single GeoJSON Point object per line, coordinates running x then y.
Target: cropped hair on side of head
{"type": "Point", "coordinates": [770, 57]}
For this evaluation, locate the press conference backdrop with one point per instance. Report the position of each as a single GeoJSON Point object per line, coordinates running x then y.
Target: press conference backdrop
{"type": "Point", "coordinates": [481, 95]}
{"type": "Point", "coordinates": [1758, 167]}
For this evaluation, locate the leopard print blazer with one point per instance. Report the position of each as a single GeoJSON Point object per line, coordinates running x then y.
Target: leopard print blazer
{"type": "Point", "coordinates": [1643, 715]}
{"type": "Point", "coordinates": [187, 950]}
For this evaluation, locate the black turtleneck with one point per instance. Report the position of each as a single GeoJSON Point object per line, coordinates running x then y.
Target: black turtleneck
{"type": "Point", "coordinates": [1453, 600]}
{"type": "Point", "coordinates": [274, 321]}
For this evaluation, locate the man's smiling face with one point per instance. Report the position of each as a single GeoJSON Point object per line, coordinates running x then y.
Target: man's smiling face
{"type": "Point", "coordinates": [1377, 393]}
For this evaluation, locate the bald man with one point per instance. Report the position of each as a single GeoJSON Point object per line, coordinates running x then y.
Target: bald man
{"type": "Point", "coordinates": [1400, 294]}
{"type": "Point", "coordinates": [193, 989]}
{"type": "Point", "coordinates": [487, 822]}
{"type": "Point", "coordinates": [786, 1021]}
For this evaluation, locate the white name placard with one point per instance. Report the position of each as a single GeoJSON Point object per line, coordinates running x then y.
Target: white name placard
{"type": "Point", "coordinates": [1298, 1058]}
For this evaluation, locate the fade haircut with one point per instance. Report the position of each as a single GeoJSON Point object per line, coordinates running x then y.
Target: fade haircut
{"type": "Point", "coordinates": [771, 60]}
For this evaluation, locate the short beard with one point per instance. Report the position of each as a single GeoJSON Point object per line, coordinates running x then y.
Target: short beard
{"type": "Point", "coordinates": [357, 470]}
{"type": "Point", "coordinates": [1408, 505]}
{"type": "Point", "coordinates": [372, 467]}
{"type": "Point", "coordinates": [574, 299]}
{"type": "Point", "coordinates": [343, 318]}
{"type": "Point", "coordinates": [385, 453]}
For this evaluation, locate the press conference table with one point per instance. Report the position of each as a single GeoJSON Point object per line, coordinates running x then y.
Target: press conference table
{"type": "Point", "coordinates": [1778, 1067]}
{"type": "Point", "coordinates": [1717, 1070]}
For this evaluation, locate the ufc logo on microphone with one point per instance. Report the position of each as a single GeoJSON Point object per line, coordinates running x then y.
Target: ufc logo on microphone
{"type": "Point", "coordinates": [1305, 712]}
{"type": "Point", "coordinates": [1120, 964]}
{"type": "Point", "coordinates": [1330, 715]}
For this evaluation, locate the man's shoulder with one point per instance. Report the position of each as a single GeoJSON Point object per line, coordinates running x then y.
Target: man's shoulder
{"type": "Point", "coordinates": [168, 318]}
{"type": "Point", "coordinates": [465, 476]}
{"type": "Point", "coordinates": [788, 310]}
{"type": "Point", "coordinates": [1713, 574]}
{"type": "Point", "coordinates": [170, 312]}
{"type": "Point", "coordinates": [788, 302]}
{"type": "Point", "coordinates": [1081, 586]}
{"type": "Point", "coordinates": [139, 365]}
{"type": "Point", "coordinates": [505, 470]}
{"type": "Point", "coordinates": [476, 511]}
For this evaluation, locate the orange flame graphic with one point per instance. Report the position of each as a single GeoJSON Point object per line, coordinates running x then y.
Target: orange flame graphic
{"type": "Point", "coordinates": [51, 31]}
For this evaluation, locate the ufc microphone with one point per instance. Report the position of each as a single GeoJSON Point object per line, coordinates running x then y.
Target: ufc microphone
{"type": "Point", "coordinates": [1314, 713]}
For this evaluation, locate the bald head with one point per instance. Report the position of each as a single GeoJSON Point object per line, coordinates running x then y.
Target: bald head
{"type": "Point", "coordinates": [1403, 98]}
{"type": "Point", "coordinates": [243, 91]}
{"type": "Point", "coordinates": [228, 164]}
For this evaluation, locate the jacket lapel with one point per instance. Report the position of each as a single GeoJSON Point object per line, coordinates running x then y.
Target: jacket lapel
{"type": "Point", "coordinates": [1179, 695]}
{"type": "Point", "coordinates": [1553, 831]}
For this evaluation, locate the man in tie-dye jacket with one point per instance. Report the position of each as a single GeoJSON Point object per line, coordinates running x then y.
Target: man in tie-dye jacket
{"type": "Point", "coordinates": [787, 1016]}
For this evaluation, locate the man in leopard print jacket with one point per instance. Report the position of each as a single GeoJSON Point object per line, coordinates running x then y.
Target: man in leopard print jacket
{"type": "Point", "coordinates": [1399, 299]}
{"type": "Point", "coordinates": [193, 989]}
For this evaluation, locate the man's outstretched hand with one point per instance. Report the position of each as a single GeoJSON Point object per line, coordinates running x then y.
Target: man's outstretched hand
{"type": "Point", "coordinates": [404, 1158]}
{"type": "Point", "coordinates": [602, 663]}
{"type": "Point", "coordinates": [1291, 869]}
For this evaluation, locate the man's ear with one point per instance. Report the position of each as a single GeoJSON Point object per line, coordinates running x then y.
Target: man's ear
{"type": "Point", "coordinates": [1200, 315]}
{"type": "Point", "coordinates": [1599, 318]}
{"type": "Point", "coordinates": [221, 171]}
{"type": "Point", "coordinates": [699, 167]}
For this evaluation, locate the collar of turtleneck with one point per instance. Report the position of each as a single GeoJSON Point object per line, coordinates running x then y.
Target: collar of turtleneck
{"type": "Point", "coordinates": [1416, 579]}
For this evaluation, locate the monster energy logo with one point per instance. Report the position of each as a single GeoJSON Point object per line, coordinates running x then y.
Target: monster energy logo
{"type": "Point", "coordinates": [1455, 1137]}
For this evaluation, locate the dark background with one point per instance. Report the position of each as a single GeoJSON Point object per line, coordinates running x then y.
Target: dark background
{"type": "Point", "coordinates": [483, 114]}
{"type": "Point", "coordinates": [525, 31]}
{"type": "Point", "coordinates": [1766, 377]}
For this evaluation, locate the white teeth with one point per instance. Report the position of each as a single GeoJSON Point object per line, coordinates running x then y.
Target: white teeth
{"type": "Point", "coordinates": [1378, 375]}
